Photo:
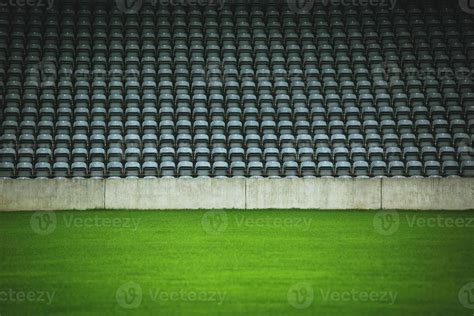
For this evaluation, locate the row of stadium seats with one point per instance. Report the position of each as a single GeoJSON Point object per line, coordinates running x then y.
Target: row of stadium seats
{"type": "Point", "coordinates": [272, 169]}
{"type": "Point", "coordinates": [249, 89]}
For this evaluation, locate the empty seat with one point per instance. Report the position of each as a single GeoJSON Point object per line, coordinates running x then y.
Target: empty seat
{"type": "Point", "coordinates": [220, 169]}
{"type": "Point", "coordinates": [343, 169]}
{"type": "Point", "coordinates": [325, 169]}
{"type": "Point", "coordinates": [202, 169]}
{"type": "Point", "coordinates": [238, 169]}
{"type": "Point", "coordinates": [272, 169]}
{"type": "Point", "coordinates": [185, 169]}
{"type": "Point", "coordinates": [255, 169]}
{"type": "Point", "coordinates": [414, 169]}
{"type": "Point", "coordinates": [79, 170]}
{"type": "Point", "coordinates": [290, 169]}
{"type": "Point", "coordinates": [378, 169]}
{"type": "Point", "coordinates": [467, 168]}
{"type": "Point", "coordinates": [97, 170]}
{"type": "Point", "coordinates": [308, 169]}
{"type": "Point", "coordinates": [396, 169]}
{"type": "Point", "coordinates": [132, 169]}
{"type": "Point", "coordinates": [61, 170]}
{"type": "Point", "coordinates": [114, 169]}
{"type": "Point", "coordinates": [360, 169]}
{"type": "Point", "coordinates": [167, 169]}
{"type": "Point", "coordinates": [450, 168]}
{"type": "Point", "coordinates": [432, 169]}
{"type": "Point", "coordinates": [7, 170]}
{"type": "Point", "coordinates": [150, 169]}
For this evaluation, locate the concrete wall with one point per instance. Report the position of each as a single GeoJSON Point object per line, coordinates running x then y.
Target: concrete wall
{"type": "Point", "coordinates": [418, 194]}
{"type": "Point", "coordinates": [313, 193]}
{"type": "Point", "coordinates": [175, 194]}
{"type": "Point", "coordinates": [50, 195]}
{"type": "Point", "coordinates": [428, 194]}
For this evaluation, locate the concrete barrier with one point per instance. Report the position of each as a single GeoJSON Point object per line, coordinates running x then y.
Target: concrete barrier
{"type": "Point", "coordinates": [313, 193]}
{"type": "Point", "coordinates": [175, 194]}
{"type": "Point", "coordinates": [413, 194]}
{"type": "Point", "coordinates": [428, 194]}
{"type": "Point", "coordinates": [51, 195]}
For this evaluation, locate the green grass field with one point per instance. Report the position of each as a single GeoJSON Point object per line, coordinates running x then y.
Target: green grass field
{"type": "Point", "coordinates": [237, 262]}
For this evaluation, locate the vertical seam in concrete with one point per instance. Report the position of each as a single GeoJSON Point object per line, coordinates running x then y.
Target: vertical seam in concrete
{"type": "Point", "coordinates": [245, 193]}
{"type": "Point", "coordinates": [105, 191]}
{"type": "Point", "coordinates": [381, 193]}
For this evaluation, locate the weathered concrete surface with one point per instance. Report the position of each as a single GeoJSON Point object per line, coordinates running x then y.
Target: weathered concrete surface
{"type": "Point", "coordinates": [412, 194]}
{"type": "Point", "coordinates": [313, 193]}
{"type": "Point", "coordinates": [175, 194]}
{"type": "Point", "coordinates": [51, 195]}
{"type": "Point", "coordinates": [428, 194]}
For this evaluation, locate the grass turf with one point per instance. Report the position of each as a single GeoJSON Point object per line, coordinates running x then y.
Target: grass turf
{"type": "Point", "coordinates": [235, 262]}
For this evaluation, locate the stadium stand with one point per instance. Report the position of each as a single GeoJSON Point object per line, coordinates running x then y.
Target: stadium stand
{"type": "Point", "coordinates": [239, 90]}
